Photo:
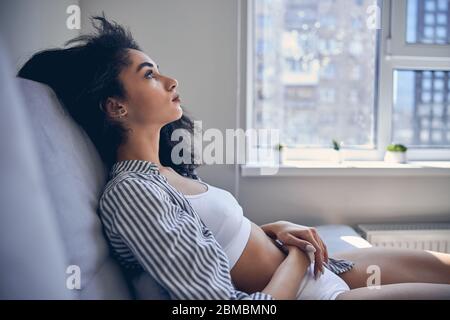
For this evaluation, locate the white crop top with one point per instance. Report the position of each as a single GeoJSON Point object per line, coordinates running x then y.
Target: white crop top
{"type": "Point", "coordinates": [223, 216]}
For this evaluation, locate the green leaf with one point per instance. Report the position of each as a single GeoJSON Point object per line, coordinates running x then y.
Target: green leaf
{"type": "Point", "coordinates": [336, 145]}
{"type": "Point", "coordinates": [397, 148]}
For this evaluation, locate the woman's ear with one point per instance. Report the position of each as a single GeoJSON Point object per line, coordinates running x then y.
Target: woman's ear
{"type": "Point", "coordinates": [114, 108]}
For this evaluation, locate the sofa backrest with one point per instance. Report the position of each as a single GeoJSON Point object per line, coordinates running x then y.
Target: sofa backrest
{"type": "Point", "coordinates": [32, 257]}
{"type": "Point", "coordinates": [74, 177]}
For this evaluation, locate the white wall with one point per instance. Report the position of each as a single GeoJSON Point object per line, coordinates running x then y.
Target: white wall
{"type": "Point", "coordinates": [28, 26]}
{"type": "Point", "coordinates": [196, 42]}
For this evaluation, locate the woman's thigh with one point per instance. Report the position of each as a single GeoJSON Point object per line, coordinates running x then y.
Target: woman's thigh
{"type": "Point", "coordinates": [400, 291]}
{"type": "Point", "coordinates": [394, 265]}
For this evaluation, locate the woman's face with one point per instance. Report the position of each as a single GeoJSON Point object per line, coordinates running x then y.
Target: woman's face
{"type": "Point", "coordinates": [150, 96]}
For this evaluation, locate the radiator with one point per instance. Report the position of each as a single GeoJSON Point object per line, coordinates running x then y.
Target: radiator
{"type": "Point", "coordinates": [422, 236]}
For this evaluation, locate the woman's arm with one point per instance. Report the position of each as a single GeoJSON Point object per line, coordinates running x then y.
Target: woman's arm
{"type": "Point", "coordinates": [286, 280]}
{"type": "Point", "coordinates": [169, 243]}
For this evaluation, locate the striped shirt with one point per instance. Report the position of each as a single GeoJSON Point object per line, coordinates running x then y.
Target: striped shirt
{"type": "Point", "coordinates": [151, 225]}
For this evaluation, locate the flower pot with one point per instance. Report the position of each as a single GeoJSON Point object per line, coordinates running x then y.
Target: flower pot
{"type": "Point", "coordinates": [280, 154]}
{"type": "Point", "coordinates": [395, 157]}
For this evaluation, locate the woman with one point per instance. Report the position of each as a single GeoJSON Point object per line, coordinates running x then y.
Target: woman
{"type": "Point", "coordinates": [191, 237]}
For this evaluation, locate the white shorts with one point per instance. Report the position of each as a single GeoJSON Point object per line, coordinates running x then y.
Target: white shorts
{"type": "Point", "coordinates": [326, 287]}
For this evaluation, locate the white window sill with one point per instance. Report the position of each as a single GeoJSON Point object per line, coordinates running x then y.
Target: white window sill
{"type": "Point", "coordinates": [348, 168]}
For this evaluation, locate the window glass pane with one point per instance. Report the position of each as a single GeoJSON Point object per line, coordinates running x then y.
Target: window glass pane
{"type": "Point", "coordinates": [428, 22]}
{"type": "Point", "coordinates": [422, 108]}
{"type": "Point", "coordinates": [315, 73]}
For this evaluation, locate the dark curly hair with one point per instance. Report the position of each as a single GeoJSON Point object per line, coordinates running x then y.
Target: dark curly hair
{"type": "Point", "coordinates": [85, 75]}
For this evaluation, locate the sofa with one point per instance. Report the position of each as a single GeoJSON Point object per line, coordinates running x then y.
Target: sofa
{"type": "Point", "coordinates": [52, 177]}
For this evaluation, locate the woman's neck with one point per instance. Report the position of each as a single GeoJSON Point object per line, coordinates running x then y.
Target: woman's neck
{"type": "Point", "coordinates": [140, 145]}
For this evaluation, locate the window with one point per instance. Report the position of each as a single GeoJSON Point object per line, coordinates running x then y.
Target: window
{"type": "Point", "coordinates": [321, 50]}
{"type": "Point", "coordinates": [417, 71]}
{"type": "Point", "coordinates": [422, 108]}
{"type": "Point", "coordinates": [332, 76]}
{"type": "Point", "coordinates": [427, 22]}
{"type": "Point", "coordinates": [327, 95]}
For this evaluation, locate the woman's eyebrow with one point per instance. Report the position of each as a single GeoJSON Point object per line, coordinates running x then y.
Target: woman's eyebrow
{"type": "Point", "coordinates": [145, 64]}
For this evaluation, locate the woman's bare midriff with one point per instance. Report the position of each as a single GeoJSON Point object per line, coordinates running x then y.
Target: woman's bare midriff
{"type": "Point", "coordinates": [260, 258]}
{"type": "Point", "coordinates": [259, 261]}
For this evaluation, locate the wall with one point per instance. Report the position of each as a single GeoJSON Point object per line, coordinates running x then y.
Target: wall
{"type": "Point", "coordinates": [28, 26]}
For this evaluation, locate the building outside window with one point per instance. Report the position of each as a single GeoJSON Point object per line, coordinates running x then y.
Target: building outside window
{"type": "Point", "coordinates": [380, 84]}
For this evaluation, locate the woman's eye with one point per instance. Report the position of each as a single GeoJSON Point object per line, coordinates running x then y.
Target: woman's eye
{"type": "Point", "coordinates": [149, 74]}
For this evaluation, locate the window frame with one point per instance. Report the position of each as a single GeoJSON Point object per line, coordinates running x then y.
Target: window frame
{"type": "Point", "coordinates": [390, 58]}
{"type": "Point", "coordinates": [400, 55]}
{"type": "Point", "coordinates": [397, 36]}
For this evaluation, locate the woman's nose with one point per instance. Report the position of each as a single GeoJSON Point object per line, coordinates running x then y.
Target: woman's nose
{"type": "Point", "coordinates": [173, 83]}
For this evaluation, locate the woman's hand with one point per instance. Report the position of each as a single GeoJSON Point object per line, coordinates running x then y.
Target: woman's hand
{"type": "Point", "coordinates": [303, 237]}
{"type": "Point", "coordinates": [287, 278]}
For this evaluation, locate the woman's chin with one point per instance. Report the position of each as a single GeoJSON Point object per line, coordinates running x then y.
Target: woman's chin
{"type": "Point", "coordinates": [178, 114]}
{"type": "Point", "coordinates": [180, 111]}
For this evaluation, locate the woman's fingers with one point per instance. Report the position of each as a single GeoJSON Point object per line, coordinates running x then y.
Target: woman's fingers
{"type": "Point", "coordinates": [305, 246]}
{"type": "Point", "coordinates": [322, 245]}
{"type": "Point", "coordinates": [301, 244]}
{"type": "Point", "coordinates": [325, 251]}
{"type": "Point", "coordinates": [309, 241]}
{"type": "Point", "coordinates": [311, 246]}
{"type": "Point", "coordinates": [318, 265]}
{"type": "Point", "coordinates": [313, 238]}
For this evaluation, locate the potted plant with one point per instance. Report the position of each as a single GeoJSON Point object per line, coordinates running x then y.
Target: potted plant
{"type": "Point", "coordinates": [396, 153]}
{"type": "Point", "coordinates": [336, 155]}
{"type": "Point", "coordinates": [280, 147]}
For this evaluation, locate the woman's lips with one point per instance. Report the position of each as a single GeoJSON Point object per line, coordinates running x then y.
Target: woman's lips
{"type": "Point", "coordinates": [176, 100]}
